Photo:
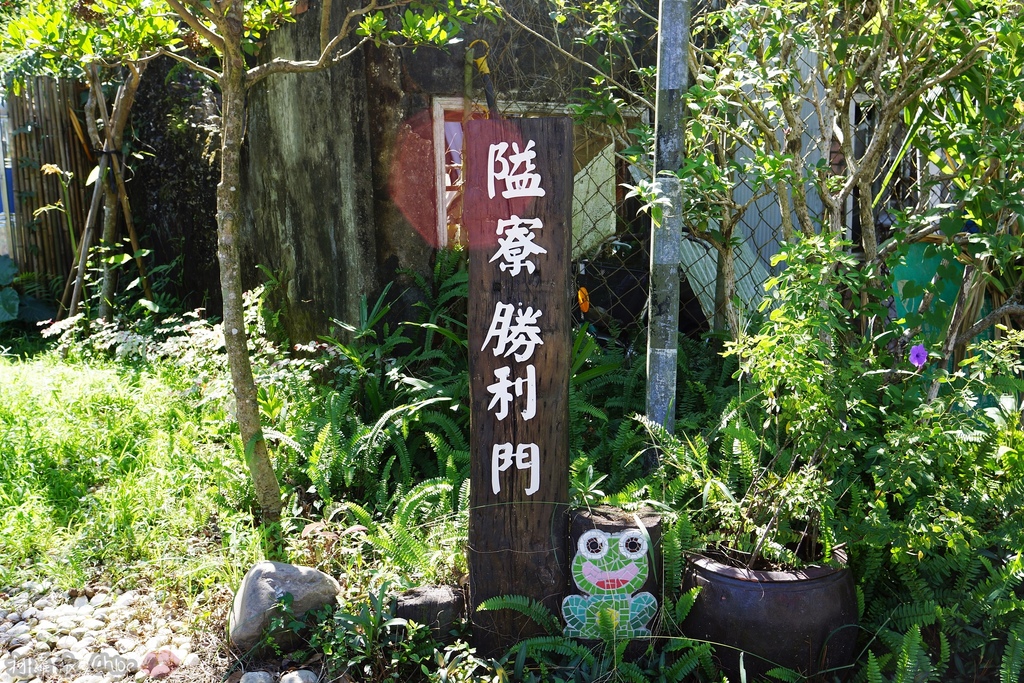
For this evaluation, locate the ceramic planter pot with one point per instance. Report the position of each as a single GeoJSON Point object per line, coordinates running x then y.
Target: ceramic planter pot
{"type": "Point", "coordinates": [803, 620]}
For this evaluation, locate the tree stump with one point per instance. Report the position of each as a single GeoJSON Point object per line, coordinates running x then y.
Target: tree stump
{"type": "Point", "coordinates": [435, 606]}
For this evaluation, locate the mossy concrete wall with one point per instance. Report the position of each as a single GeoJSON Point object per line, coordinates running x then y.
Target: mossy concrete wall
{"type": "Point", "coordinates": [307, 186]}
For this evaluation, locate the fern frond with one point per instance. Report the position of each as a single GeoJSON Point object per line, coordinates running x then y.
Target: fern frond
{"type": "Point", "coordinates": [912, 663]}
{"type": "Point", "coordinates": [360, 514]}
{"type": "Point", "coordinates": [318, 467]}
{"type": "Point", "coordinates": [874, 670]}
{"type": "Point", "coordinates": [685, 603]}
{"type": "Point", "coordinates": [689, 662]}
{"type": "Point", "coordinates": [1011, 667]}
{"type": "Point", "coordinates": [535, 610]}
{"type": "Point", "coordinates": [560, 645]}
{"type": "Point", "coordinates": [786, 675]}
{"type": "Point", "coordinates": [628, 671]}
{"type": "Point", "coordinates": [915, 614]}
{"type": "Point", "coordinates": [427, 496]}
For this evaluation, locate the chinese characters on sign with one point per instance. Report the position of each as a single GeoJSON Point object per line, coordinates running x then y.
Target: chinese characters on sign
{"type": "Point", "coordinates": [514, 330]}
{"type": "Point", "coordinates": [517, 210]}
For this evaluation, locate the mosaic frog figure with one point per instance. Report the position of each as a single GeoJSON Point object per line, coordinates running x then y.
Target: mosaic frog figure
{"type": "Point", "coordinates": [610, 568]}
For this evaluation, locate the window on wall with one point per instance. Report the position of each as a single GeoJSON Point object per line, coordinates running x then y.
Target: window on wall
{"type": "Point", "coordinates": [595, 190]}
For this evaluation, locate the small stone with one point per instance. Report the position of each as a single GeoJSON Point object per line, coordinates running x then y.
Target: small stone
{"type": "Point", "coordinates": [22, 652]}
{"type": "Point", "coordinates": [78, 632]}
{"type": "Point", "coordinates": [159, 671]}
{"type": "Point", "coordinates": [102, 612]}
{"type": "Point", "coordinates": [20, 641]}
{"type": "Point", "coordinates": [80, 601]}
{"type": "Point", "coordinates": [93, 624]}
{"type": "Point", "coordinates": [29, 612]}
{"type": "Point", "coordinates": [41, 646]}
{"type": "Point", "coordinates": [126, 645]}
{"type": "Point", "coordinates": [42, 603]}
{"type": "Point", "coordinates": [46, 625]}
{"type": "Point", "coordinates": [300, 676]}
{"type": "Point", "coordinates": [85, 611]}
{"type": "Point", "coordinates": [126, 599]}
{"type": "Point", "coordinates": [65, 610]}
{"type": "Point", "coordinates": [45, 637]}
{"type": "Point", "coordinates": [5, 627]}
{"type": "Point", "coordinates": [156, 642]}
{"type": "Point", "coordinates": [100, 599]}
{"type": "Point", "coordinates": [67, 643]}
{"type": "Point", "coordinates": [18, 629]}
{"type": "Point", "coordinates": [256, 677]}
{"type": "Point", "coordinates": [66, 626]}
{"type": "Point", "coordinates": [3, 614]}
{"type": "Point", "coordinates": [13, 617]}
{"type": "Point", "coordinates": [64, 656]}
{"type": "Point", "coordinates": [190, 660]}
{"type": "Point", "coordinates": [140, 675]}
{"type": "Point", "coordinates": [87, 641]}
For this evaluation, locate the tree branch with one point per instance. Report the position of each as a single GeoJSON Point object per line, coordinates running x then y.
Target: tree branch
{"type": "Point", "coordinates": [203, 10]}
{"type": "Point", "coordinates": [1011, 307]}
{"type": "Point", "coordinates": [191, 64]}
{"type": "Point", "coordinates": [288, 66]}
{"type": "Point", "coordinates": [573, 57]}
{"type": "Point", "coordinates": [193, 21]}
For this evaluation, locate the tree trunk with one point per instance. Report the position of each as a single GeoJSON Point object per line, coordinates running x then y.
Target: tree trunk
{"type": "Point", "coordinates": [268, 490]}
{"type": "Point", "coordinates": [726, 316]}
{"type": "Point", "coordinates": [107, 239]}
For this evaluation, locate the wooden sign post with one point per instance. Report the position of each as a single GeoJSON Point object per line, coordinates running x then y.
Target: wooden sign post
{"type": "Point", "coordinates": [518, 211]}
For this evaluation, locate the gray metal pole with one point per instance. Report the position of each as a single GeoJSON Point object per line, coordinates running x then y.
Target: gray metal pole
{"type": "Point", "coordinates": [663, 313]}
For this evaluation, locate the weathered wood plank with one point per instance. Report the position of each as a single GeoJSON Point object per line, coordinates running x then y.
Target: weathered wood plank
{"type": "Point", "coordinates": [518, 516]}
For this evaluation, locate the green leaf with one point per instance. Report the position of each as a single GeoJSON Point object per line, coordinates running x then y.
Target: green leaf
{"type": "Point", "coordinates": [118, 259]}
{"type": "Point", "coordinates": [8, 269]}
{"type": "Point", "coordinates": [9, 301]}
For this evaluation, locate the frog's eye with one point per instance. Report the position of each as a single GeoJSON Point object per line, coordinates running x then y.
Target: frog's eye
{"type": "Point", "coordinates": [593, 545]}
{"type": "Point", "coordinates": [633, 545]}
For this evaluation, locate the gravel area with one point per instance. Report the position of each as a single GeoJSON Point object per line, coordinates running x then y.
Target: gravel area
{"type": "Point", "coordinates": [98, 635]}
{"type": "Point", "coordinates": [91, 636]}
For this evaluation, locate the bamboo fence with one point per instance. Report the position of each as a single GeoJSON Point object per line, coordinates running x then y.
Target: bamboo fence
{"type": "Point", "coordinates": [46, 129]}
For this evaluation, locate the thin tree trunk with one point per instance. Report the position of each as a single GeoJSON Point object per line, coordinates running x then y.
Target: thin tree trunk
{"type": "Point", "coordinates": [107, 240]}
{"type": "Point", "coordinates": [726, 315]}
{"type": "Point", "coordinates": [268, 490]}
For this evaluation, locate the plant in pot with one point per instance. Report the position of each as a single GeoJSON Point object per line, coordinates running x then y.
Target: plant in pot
{"type": "Point", "coordinates": [768, 487]}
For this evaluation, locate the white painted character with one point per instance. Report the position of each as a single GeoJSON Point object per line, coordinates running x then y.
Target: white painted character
{"type": "Point", "coordinates": [526, 457]}
{"type": "Point", "coordinates": [516, 170]}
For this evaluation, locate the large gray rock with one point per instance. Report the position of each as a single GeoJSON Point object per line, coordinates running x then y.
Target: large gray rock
{"type": "Point", "coordinates": [264, 586]}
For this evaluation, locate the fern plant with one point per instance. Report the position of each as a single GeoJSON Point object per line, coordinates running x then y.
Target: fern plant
{"type": "Point", "coordinates": [556, 658]}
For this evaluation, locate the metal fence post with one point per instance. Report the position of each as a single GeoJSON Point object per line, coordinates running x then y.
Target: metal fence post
{"type": "Point", "coordinates": [663, 312]}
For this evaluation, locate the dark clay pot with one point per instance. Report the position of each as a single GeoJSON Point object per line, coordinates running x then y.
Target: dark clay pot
{"type": "Point", "coordinates": [803, 620]}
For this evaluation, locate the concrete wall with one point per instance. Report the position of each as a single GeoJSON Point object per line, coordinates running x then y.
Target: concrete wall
{"type": "Point", "coordinates": [307, 184]}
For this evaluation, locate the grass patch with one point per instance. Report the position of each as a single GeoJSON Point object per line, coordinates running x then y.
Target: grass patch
{"type": "Point", "coordinates": [118, 473]}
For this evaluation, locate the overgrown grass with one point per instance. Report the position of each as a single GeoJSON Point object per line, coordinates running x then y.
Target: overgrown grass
{"type": "Point", "coordinates": [115, 472]}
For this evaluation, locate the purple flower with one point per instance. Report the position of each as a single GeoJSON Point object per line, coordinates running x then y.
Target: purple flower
{"type": "Point", "coordinates": [918, 355]}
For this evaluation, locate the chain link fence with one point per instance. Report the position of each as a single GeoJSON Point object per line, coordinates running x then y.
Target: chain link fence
{"type": "Point", "coordinates": [610, 229]}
